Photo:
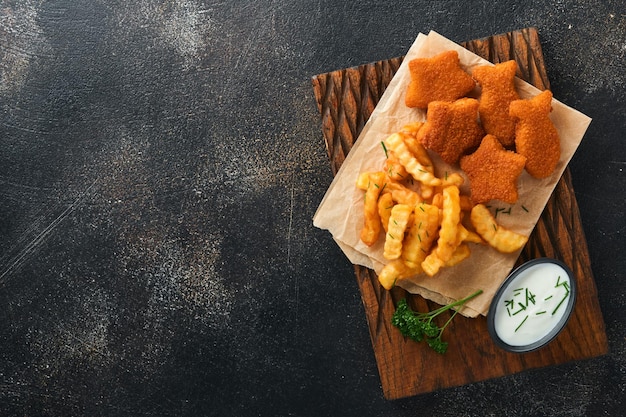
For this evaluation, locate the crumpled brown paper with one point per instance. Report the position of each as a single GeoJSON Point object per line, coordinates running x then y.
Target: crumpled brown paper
{"type": "Point", "coordinates": [341, 210]}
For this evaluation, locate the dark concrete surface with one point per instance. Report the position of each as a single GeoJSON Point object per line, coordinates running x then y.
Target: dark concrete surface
{"type": "Point", "coordinates": [161, 163]}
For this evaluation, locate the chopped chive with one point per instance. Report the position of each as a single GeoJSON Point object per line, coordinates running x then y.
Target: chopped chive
{"type": "Point", "coordinates": [385, 149]}
{"type": "Point", "coordinates": [520, 325]}
{"type": "Point", "coordinates": [547, 298]}
{"type": "Point", "coordinates": [564, 284]}
{"type": "Point", "coordinates": [540, 312]}
{"type": "Point", "coordinates": [525, 209]}
{"type": "Point", "coordinates": [559, 304]}
{"type": "Point", "coordinates": [523, 307]}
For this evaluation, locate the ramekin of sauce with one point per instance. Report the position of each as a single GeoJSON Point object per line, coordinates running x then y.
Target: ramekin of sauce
{"type": "Point", "coordinates": [532, 305]}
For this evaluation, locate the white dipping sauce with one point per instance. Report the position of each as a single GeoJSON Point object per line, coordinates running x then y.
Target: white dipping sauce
{"type": "Point", "coordinates": [532, 304]}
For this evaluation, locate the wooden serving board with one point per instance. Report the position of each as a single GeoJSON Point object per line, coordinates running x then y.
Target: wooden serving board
{"type": "Point", "coordinates": [346, 99]}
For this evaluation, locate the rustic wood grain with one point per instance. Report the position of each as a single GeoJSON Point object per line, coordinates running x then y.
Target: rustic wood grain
{"type": "Point", "coordinates": [346, 99]}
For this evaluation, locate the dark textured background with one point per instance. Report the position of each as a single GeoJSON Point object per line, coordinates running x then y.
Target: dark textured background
{"type": "Point", "coordinates": [161, 163]}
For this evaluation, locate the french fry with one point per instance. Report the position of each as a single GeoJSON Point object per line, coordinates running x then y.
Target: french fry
{"type": "Point", "coordinates": [453, 179]}
{"type": "Point", "coordinates": [363, 181]}
{"type": "Point", "coordinates": [393, 272]}
{"type": "Point", "coordinates": [437, 200]}
{"type": "Point", "coordinates": [451, 216]}
{"type": "Point", "coordinates": [371, 227]}
{"type": "Point", "coordinates": [385, 204]}
{"type": "Point", "coordinates": [411, 129]}
{"type": "Point", "coordinates": [426, 190]}
{"type": "Point", "coordinates": [401, 193]}
{"type": "Point", "coordinates": [447, 241]}
{"type": "Point", "coordinates": [432, 264]}
{"type": "Point", "coordinates": [405, 196]}
{"type": "Point", "coordinates": [465, 235]}
{"type": "Point", "coordinates": [395, 142]}
{"type": "Point", "coordinates": [398, 222]}
{"type": "Point", "coordinates": [394, 169]}
{"type": "Point", "coordinates": [421, 235]}
{"type": "Point", "coordinates": [461, 253]}
{"type": "Point", "coordinates": [502, 239]}
{"type": "Point", "coordinates": [420, 153]}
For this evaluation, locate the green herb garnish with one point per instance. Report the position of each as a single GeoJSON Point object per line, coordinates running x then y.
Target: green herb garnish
{"type": "Point", "coordinates": [420, 326]}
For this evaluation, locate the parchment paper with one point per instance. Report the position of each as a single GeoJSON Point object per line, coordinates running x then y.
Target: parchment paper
{"type": "Point", "coordinates": [341, 210]}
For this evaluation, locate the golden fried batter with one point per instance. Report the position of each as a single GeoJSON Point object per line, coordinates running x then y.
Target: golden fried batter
{"type": "Point", "coordinates": [535, 135]}
{"type": "Point", "coordinates": [451, 129]}
{"type": "Point", "coordinates": [493, 172]}
{"type": "Point", "coordinates": [439, 78]}
{"type": "Point", "coordinates": [498, 90]}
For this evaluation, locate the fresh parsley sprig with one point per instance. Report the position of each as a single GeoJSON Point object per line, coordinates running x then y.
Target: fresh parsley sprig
{"type": "Point", "coordinates": [421, 326]}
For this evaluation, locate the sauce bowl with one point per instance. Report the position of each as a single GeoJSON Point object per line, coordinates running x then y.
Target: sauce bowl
{"type": "Point", "coordinates": [532, 305]}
